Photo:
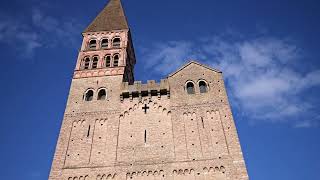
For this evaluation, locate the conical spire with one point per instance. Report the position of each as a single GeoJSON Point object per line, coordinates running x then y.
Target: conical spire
{"type": "Point", "coordinates": [110, 18]}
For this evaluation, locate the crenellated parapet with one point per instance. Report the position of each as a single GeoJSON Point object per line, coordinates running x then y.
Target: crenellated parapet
{"type": "Point", "coordinates": [139, 90]}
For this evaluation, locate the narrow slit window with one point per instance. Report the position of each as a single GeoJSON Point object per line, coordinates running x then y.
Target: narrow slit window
{"type": "Point", "coordinates": [202, 122]}
{"type": "Point", "coordinates": [145, 136]}
{"type": "Point", "coordinates": [88, 134]}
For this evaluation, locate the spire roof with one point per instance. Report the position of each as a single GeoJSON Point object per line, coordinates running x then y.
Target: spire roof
{"type": "Point", "coordinates": [112, 17]}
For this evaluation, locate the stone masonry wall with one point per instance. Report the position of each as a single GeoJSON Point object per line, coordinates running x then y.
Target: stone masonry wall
{"type": "Point", "coordinates": [179, 136]}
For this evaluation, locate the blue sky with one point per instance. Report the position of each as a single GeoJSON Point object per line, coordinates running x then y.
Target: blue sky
{"type": "Point", "coordinates": [268, 51]}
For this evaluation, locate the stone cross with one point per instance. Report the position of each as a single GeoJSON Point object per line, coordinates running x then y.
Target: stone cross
{"type": "Point", "coordinates": [145, 108]}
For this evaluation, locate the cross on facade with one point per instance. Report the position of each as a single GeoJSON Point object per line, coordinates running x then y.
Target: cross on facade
{"type": "Point", "coordinates": [145, 108]}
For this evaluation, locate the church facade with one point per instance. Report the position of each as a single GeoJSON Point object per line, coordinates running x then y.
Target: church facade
{"type": "Point", "coordinates": [180, 128]}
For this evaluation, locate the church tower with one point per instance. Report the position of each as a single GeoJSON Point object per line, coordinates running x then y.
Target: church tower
{"type": "Point", "coordinates": [180, 128]}
{"type": "Point", "coordinates": [107, 48]}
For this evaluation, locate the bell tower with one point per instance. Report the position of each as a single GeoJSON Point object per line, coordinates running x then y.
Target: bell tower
{"type": "Point", "coordinates": [106, 59]}
{"type": "Point", "coordinates": [107, 48]}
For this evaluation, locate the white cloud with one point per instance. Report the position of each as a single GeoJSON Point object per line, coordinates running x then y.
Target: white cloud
{"type": "Point", "coordinates": [31, 41]}
{"type": "Point", "coordinates": [64, 30]}
{"type": "Point", "coordinates": [26, 34]}
{"type": "Point", "coordinates": [164, 58]}
{"type": "Point", "coordinates": [260, 73]}
{"type": "Point", "coordinates": [308, 123]}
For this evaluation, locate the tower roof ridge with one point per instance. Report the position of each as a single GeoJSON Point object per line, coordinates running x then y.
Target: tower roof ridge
{"type": "Point", "coordinates": [112, 17]}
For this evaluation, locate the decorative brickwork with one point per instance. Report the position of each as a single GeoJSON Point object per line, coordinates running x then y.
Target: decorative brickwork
{"type": "Point", "coordinates": [118, 128]}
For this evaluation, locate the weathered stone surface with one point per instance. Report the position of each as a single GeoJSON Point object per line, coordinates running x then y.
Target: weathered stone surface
{"type": "Point", "coordinates": [145, 131]}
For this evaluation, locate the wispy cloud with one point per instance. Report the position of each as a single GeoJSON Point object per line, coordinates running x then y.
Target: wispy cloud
{"type": "Point", "coordinates": [64, 31]}
{"type": "Point", "coordinates": [18, 36]}
{"type": "Point", "coordinates": [260, 73]}
{"type": "Point", "coordinates": [36, 29]}
{"type": "Point", "coordinates": [163, 58]}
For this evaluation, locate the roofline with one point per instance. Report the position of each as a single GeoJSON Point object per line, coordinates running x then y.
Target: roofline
{"type": "Point", "coordinates": [99, 22]}
{"type": "Point", "coordinates": [85, 32]}
{"type": "Point", "coordinates": [194, 62]}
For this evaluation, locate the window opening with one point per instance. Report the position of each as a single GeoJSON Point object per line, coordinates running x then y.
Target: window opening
{"type": "Point", "coordinates": [89, 95]}
{"type": "Point", "coordinates": [88, 131]}
{"type": "Point", "coordinates": [203, 87]}
{"type": "Point", "coordinates": [202, 122]}
{"type": "Point", "coordinates": [154, 93]}
{"type": "Point", "coordinates": [116, 42]}
{"type": "Point", "coordinates": [116, 60]}
{"type": "Point", "coordinates": [92, 44]}
{"type": "Point", "coordinates": [108, 60]}
{"type": "Point", "coordinates": [86, 63]}
{"type": "Point", "coordinates": [102, 94]}
{"type": "Point", "coordinates": [145, 136]}
{"type": "Point", "coordinates": [135, 94]}
{"type": "Point", "coordinates": [104, 43]}
{"type": "Point", "coordinates": [190, 88]}
{"type": "Point", "coordinates": [163, 92]}
{"type": "Point", "coordinates": [144, 93]}
{"type": "Point", "coordinates": [95, 62]}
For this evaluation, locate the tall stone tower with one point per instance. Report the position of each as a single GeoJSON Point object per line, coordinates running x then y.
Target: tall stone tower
{"type": "Point", "coordinates": [117, 128]}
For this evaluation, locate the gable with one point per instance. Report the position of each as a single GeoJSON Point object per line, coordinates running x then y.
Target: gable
{"type": "Point", "coordinates": [196, 64]}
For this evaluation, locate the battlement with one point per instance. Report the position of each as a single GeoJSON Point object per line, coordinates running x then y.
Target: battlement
{"type": "Point", "coordinates": [139, 90]}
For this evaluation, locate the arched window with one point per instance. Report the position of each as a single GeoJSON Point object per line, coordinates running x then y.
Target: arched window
{"type": "Point", "coordinates": [86, 64]}
{"type": "Point", "coordinates": [116, 42]}
{"type": "Point", "coordinates": [104, 43]}
{"type": "Point", "coordinates": [116, 60]}
{"type": "Point", "coordinates": [203, 87]}
{"type": "Point", "coordinates": [88, 95]}
{"type": "Point", "coordinates": [102, 94]}
{"type": "Point", "coordinates": [95, 62]}
{"type": "Point", "coordinates": [107, 60]}
{"type": "Point", "coordinates": [190, 88]}
{"type": "Point", "coordinates": [92, 44]}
